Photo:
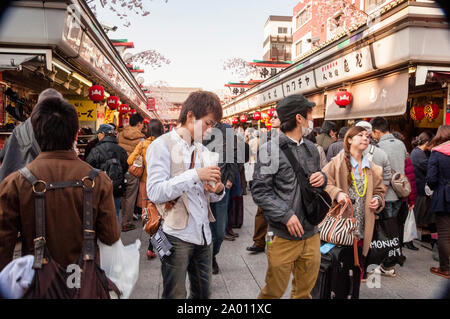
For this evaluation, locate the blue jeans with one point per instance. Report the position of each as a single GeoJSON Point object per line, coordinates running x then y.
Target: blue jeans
{"type": "Point", "coordinates": [220, 212]}
{"type": "Point", "coordinates": [117, 204]}
{"type": "Point", "coordinates": [196, 261]}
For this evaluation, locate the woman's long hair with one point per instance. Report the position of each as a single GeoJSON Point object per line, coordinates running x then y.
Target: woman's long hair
{"type": "Point", "coordinates": [442, 136]}
{"type": "Point", "coordinates": [353, 131]}
{"type": "Point", "coordinates": [155, 128]}
{"type": "Point", "coordinates": [423, 138]}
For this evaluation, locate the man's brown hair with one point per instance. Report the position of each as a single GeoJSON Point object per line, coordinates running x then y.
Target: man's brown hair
{"type": "Point", "coordinates": [201, 103]}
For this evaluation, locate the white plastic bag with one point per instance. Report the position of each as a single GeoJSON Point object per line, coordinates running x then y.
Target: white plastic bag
{"type": "Point", "coordinates": [249, 168]}
{"type": "Point", "coordinates": [121, 264]}
{"type": "Point", "coordinates": [410, 231]}
{"type": "Point", "coordinates": [16, 277]}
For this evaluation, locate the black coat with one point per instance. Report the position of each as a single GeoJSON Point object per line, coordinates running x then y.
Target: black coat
{"type": "Point", "coordinates": [419, 160]}
{"type": "Point", "coordinates": [109, 144]}
{"type": "Point", "coordinates": [438, 179]}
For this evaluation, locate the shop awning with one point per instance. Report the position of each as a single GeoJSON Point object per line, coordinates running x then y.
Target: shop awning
{"type": "Point", "coordinates": [13, 61]}
{"type": "Point", "coordinates": [384, 96]}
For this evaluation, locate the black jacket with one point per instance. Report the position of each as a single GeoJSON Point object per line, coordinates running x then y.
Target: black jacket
{"type": "Point", "coordinates": [275, 187]}
{"type": "Point", "coordinates": [227, 151]}
{"type": "Point", "coordinates": [438, 178]}
{"type": "Point", "coordinates": [109, 144]}
{"type": "Point", "coordinates": [419, 160]}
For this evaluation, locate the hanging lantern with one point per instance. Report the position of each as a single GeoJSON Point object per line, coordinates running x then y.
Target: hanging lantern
{"type": "Point", "coordinates": [417, 113]}
{"type": "Point", "coordinates": [264, 116]}
{"type": "Point", "coordinates": [256, 115]}
{"type": "Point", "coordinates": [342, 98]}
{"type": "Point", "coordinates": [235, 120]}
{"type": "Point", "coordinates": [270, 112]}
{"type": "Point", "coordinates": [113, 102]}
{"type": "Point", "coordinates": [124, 109]}
{"type": "Point", "coordinates": [431, 111]}
{"type": "Point", "coordinates": [132, 111]}
{"type": "Point", "coordinates": [243, 118]}
{"type": "Point", "coordinates": [97, 93]}
{"type": "Point", "coordinates": [147, 120]}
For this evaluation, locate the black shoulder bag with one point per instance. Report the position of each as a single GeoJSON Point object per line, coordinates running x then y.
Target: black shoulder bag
{"type": "Point", "coordinates": [315, 201]}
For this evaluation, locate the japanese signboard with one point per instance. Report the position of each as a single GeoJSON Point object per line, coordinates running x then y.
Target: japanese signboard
{"type": "Point", "coordinates": [300, 84]}
{"type": "Point", "coordinates": [271, 95]}
{"type": "Point", "coordinates": [86, 109]}
{"type": "Point", "coordinates": [348, 66]}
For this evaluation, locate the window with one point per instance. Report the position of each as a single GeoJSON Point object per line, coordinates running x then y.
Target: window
{"type": "Point", "coordinates": [303, 17]}
{"type": "Point", "coordinates": [372, 4]}
{"type": "Point", "coordinates": [298, 48]}
{"type": "Point", "coordinates": [282, 30]}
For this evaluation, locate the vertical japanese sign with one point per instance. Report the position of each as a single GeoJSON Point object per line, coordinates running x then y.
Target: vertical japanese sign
{"type": "Point", "coordinates": [86, 110]}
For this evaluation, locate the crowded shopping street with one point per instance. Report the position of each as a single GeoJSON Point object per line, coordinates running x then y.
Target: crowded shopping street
{"type": "Point", "coordinates": [159, 150]}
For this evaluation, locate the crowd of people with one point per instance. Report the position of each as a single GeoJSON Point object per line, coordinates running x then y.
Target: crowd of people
{"type": "Point", "coordinates": [200, 204]}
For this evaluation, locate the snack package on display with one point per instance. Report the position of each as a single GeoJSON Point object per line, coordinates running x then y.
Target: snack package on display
{"type": "Point", "coordinates": [210, 159]}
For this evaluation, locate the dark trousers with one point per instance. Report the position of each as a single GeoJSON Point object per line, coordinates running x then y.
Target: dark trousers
{"type": "Point", "coordinates": [193, 260]}
{"type": "Point", "coordinates": [259, 235]}
{"type": "Point", "coordinates": [220, 212]}
{"type": "Point", "coordinates": [443, 229]}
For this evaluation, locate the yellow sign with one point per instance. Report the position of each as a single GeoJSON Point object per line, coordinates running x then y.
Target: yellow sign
{"type": "Point", "coordinates": [109, 115]}
{"type": "Point", "coordinates": [86, 109]}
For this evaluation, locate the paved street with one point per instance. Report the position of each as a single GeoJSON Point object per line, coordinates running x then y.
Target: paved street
{"type": "Point", "coordinates": [242, 273]}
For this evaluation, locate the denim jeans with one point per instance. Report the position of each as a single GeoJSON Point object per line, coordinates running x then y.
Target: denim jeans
{"type": "Point", "coordinates": [220, 212]}
{"type": "Point", "coordinates": [117, 205]}
{"type": "Point", "coordinates": [196, 261]}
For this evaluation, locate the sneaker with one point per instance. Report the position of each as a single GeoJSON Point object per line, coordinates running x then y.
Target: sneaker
{"type": "Point", "coordinates": [215, 266]}
{"type": "Point", "coordinates": [229, 238]}
{"type": "Point", "coordinates": [388, 273]}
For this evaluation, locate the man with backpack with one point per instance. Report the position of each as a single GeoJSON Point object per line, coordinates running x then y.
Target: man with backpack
{"type": "Point", "coordinates": [295, 247]}
{"type": "Point", "coordinates": [61, 229]}
{"type": "Point", "coordinates": [108, 156]}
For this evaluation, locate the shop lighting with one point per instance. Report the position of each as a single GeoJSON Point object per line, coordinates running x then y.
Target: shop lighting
{"type": "Point", "coordinates": [59, 66]}
{"type": "Point", "coordinates": [412, 70]}
{"type": "Point", "coordinates": [82, 79]}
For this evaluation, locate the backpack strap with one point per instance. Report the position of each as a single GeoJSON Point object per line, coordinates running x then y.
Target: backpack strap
{"type": "Point", "coordinates": [39, 211]}
{"type": "Point", "coordinates": [88, 251]}
{"type": "Point", "coordinates": [298, 170]}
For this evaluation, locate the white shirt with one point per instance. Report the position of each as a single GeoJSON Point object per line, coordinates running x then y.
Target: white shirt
{"type": "Point", "coordinates": [161, 188]}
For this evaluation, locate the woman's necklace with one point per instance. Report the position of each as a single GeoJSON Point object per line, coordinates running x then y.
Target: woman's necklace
{"type": "Point", "coordinates": [365, 184]}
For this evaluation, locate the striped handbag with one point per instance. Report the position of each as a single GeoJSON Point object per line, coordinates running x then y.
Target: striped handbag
{"type": "Point", "coordinates": [339, 230]}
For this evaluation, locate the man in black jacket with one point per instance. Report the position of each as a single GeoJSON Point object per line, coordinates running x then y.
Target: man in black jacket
{"type": "Point", "coordinates": [107, 155]}
{"type": "Point", "coordinates": [296, 244]}
{"type": "Point", "coordinates": [219, 141]}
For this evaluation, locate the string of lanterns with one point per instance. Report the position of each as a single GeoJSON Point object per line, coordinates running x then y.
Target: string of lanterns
{"type": "Point", "coordinates": [264, 117]}
{"type": "Point", "coordinates": [430, 112]}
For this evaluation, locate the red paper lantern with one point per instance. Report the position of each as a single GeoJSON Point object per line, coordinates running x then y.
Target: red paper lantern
{"type": "Point", "coordinates": [151, 104]}
{"type": "Point", "coordinates": [147, 121]}
{"type": "Point", "coordinates": [243, 118]}
{"type": "Point", "coordinates": [417, 113]}
{"type": "Point", "coordinates": [124, 109]}
{"type": "Point", "coordinates": [431, 111]}
{"type": "Point", "coordinates": [256, 115]}
{"type": "Point", "coordinates": [235, 120]}
{"type": "Point", "coordinates": [113, 102]}
{"type": "Point", "coordinates": [264, 116]}
{"type": "Point", "coordinates": [132, 111]}
{"type": "Point", "coordinates": [97, 93]}
{"type": "Point", "coordinates": [270, 112]}
{"type": "Point", "coordinates": [342, 98]}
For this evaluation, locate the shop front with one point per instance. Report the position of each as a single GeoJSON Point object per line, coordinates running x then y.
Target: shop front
{"type": "Point", "coordinates": [401, 62]}
{"type": "Point", "coordinates": [64, 47]}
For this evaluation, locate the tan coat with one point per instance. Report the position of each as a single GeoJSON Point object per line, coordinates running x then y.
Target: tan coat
{"type": "Point", "coordinates": [337, 174]}
{"type": "Point", "coordinates": [129, 138]}
{"type": "Point", "coordinates": [64, 209]}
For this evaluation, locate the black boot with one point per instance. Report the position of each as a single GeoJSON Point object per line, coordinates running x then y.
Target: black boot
{"type": "Point", "coordinates": [215, 266]}
{"type": "Point", "coordinates": [410, 245]}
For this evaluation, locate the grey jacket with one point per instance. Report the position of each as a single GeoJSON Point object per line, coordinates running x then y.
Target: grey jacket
{"type": "Point", "coordinates": [380, 158]}
{"type": "Point", "coordinates": [334, 149]}
{"type": "Point", "coordinates": [397, 154]}
{"type": "Point", "coordinates": [20, 149]}
{"type": "Point", "coordinates": [275, 188]}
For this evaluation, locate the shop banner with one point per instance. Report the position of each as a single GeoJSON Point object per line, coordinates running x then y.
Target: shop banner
{"type": "Point", "coordinates": [346, 67]}
{"type": "Point", "coordinates": [300, 84]}
{"type": "Point", "coordinates": [272, 95]}
{"type": "Point", "coordinates": [86, 109]}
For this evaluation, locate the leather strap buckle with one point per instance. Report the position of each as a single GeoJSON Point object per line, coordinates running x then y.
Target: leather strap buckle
{"type": "Point", "coordinates": [88, 178]}
{"type": "Point", "coordinates": [45, 186]}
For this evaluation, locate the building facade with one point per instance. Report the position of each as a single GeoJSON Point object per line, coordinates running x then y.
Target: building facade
{"type": "Point", "coordinates": [278, 39]}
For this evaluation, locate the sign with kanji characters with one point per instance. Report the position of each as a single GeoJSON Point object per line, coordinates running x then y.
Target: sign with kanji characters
{"type": "Point", "coordinates": [86, 109]}
{"type": "Point", "coordinates": [348, 66]}
{"type": "Point", "coordinates": [271, 95]}
{"type": "Point", "coordinates": [300, 84]}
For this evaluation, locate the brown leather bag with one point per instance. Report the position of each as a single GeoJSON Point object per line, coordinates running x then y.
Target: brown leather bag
{"type": "Point", "coordinates": [51, 280]}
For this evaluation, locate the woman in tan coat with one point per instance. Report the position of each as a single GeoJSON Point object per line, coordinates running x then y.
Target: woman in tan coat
{"type": "Point", "coordinates": [154, 129]}
{"type": "Point", "coordinates": [351, 175]}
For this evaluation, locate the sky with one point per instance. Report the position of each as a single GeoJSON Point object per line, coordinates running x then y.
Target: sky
{"type": "Point", "coordinates": [197, 36]}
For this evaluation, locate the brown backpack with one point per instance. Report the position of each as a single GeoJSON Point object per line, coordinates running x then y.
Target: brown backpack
{"type": "Point", "coordinates": [51, 280]}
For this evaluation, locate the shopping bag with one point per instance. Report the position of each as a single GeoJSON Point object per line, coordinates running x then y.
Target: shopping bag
{"type": "Point", "coordinates": [410, 232]}
{"type": "Point", "coordinates": [121, 264]}
{"type": "Point", "coordinates": [249, 168]}
{"type": "Point", "coordinates": [385, 243]}
{"type": "Point", "coordinates": [16, 277]}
